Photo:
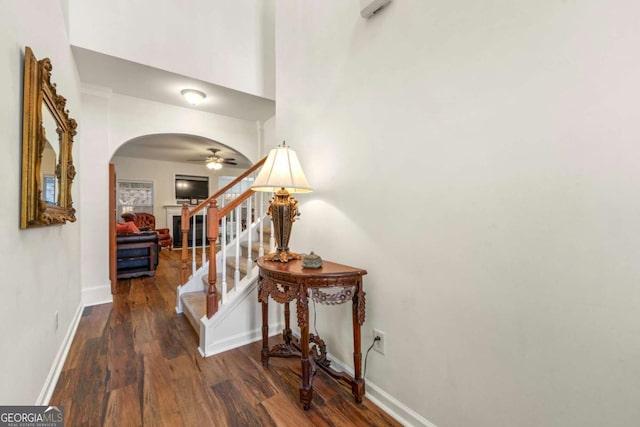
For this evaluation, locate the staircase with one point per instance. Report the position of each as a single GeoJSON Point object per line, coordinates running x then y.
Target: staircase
{"type": "Point", "coordinates": [194, 304]}
{"type": "Point", "coordinates": [225, 311]}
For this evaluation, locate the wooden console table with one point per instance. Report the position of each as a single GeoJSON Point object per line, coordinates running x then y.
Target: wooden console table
{"type": "Point", "coordinates": [331, 285]}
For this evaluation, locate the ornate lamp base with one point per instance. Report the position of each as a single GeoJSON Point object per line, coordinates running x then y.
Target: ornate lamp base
{"type": "Point", "coordinates": [282, 256]}
{"type": "Point", "coordinates": [283, 211]}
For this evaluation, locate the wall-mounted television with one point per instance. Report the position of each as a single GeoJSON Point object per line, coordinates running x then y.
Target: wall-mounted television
{"type": "Point", "coordinates": [192, 187]}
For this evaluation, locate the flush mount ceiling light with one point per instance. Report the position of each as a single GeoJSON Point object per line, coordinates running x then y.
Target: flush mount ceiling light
{"type": "Point", "coordinates": [193, 97]}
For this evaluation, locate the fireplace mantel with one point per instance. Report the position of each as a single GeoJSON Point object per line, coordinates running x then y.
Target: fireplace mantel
{"type": "Point", "coordinates": [172, 210]}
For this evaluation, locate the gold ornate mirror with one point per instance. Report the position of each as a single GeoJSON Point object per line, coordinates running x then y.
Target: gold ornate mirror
{"type": "Point", "coordinates": [47, 139]}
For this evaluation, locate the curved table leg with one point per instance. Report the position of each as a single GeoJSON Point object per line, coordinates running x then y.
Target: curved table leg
{"type": "Point", "coordinates": [306, 390]}
{"type": "Point", "coordinates": [265, 331]}
{"type": "Point", "coordinates": [357, 388]}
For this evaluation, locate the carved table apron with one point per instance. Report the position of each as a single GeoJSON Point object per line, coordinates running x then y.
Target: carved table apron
{"type": "Point", "coordinates": [331, 285]}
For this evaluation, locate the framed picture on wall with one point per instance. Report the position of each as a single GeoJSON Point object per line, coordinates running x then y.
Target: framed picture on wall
{"type": "Point", "coordinates": [134, 196]}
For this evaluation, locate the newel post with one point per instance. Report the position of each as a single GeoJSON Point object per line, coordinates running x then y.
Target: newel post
{"type": "Point", "coordinates": [212, 236]}
{"type": "Point", "coordinates": [184, 228]}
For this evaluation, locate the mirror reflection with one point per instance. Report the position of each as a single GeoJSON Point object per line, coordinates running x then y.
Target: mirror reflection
{"type": "Point", "coordinates": [50, 156]}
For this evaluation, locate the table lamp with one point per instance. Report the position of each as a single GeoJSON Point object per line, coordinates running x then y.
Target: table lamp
{"type": "Point", "coordinates": [283, 175]}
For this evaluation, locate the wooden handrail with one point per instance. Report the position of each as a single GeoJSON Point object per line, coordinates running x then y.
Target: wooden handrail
{"type": "Point", "coordinates": [235, 203]}
{"type": "Point", "coordinates": [227, 187]}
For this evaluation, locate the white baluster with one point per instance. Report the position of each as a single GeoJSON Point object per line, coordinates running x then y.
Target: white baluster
{"type": "Point", "coordinates": [236, 273]}
{"type": "Point", "coordinates": [249, 235]}
{"type": "Point", "coordinates": [204, 236]}
{"type": "Point", "coordinates": [223, 257]}
{"type": "Point", "coordinates": [193, 243]}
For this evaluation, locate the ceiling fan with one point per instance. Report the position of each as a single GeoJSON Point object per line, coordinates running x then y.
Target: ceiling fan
{"type": "Point", "coordinates": [214, 161]}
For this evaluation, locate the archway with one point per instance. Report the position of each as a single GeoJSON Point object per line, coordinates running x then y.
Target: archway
{"type": "Point", "coordinates": [146, 170]}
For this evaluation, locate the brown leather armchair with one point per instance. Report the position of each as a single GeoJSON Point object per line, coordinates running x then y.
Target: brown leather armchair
{"type": "Point", "coordinates": [148, 221]}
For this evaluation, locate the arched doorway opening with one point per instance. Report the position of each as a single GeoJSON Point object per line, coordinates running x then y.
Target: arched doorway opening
{"type": "Point", "coordinates": [146, 172]}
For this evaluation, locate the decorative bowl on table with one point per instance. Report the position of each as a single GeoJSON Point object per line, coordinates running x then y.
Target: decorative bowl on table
{"type": "Point", "coordinates": [311, 261]}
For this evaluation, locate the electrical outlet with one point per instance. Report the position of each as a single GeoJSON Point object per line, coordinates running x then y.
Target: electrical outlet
{"type": "Point", "coordinates": [379, 345]}
{"type": "Point", "coordinates": [55, 321]}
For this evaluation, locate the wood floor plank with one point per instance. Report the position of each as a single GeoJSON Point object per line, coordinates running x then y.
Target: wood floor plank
{"type": "Point", "coordinates": [123, 407]}
{"type": "Point", "coordinates": [285, 412]}
{"type": "Point", "coordinates": [358, 416]}
{"type": "Point", "coordinates": [192, 394]}
{"type": "Point", "coordinates": [159, 396]}
{"type": "Point", "coordinates": [92, 324]}
{"type": "Point", "coordinates": [86, 390]}
{"type": "Point", "coordinates": [135, 362]}
{"type": "Point", "coordinates": [163, 323]}
{"type": "Point", "coordinates": [238, 412]}
{"type": "Point", "coordinates": [252, 380]}
{"type": "Point", "coordinates": [212, 370]}
{"type": "Point", "coordinates": [95, 322]}
{"type": "Point", "coordinates": [141, 322]}
{"type": "Point", "coordinates": [121, 356]}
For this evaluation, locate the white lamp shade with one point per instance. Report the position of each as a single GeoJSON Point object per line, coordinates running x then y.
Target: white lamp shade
{"type": "Point", "coordinates": [282, 170]}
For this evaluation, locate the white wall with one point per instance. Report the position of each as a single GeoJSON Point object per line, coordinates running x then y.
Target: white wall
{"type": "Point", "coordinates": [94, 185]}
{"type": "Point", "coordinates": [40, 267]}
{"type": "Point", "coordinates": [269, 139]}
{"type": "Point", "coordinates": [216, 41]}
{"type": "Point", "coordinates": [131, 117]}
{"type": "Point", "coordinates": [480, 160]}
{"type": "Point", "coordinates": [267, 37]}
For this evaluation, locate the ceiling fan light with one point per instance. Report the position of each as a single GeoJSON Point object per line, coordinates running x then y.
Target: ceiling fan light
{"type": "Point", "coordinates": [193, 97]}
{"type": "Point", "coordinates": [212, 164]}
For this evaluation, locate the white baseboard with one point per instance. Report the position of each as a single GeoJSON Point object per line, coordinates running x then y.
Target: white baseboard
{"type": "Point", "coordinates": [97, 295]}
{"type": "Point", "coordinates": [239, 340]}
{"type": "Point", "coordinates": [389, 404]}
{"type": "Point", "coordinates": [392, 406]}
{"type": "Point", "coordinates": [54, 373]}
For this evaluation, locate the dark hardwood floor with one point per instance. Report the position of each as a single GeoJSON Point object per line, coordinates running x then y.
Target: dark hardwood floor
{"type": "Point", "coordinates": [135, 362]}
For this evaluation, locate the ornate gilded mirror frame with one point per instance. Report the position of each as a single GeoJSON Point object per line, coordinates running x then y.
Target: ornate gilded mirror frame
{"type": "Point", "coordinates": [47, 132]}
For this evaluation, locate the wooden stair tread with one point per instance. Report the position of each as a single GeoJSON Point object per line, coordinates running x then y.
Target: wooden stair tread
{"type": "Point", "coordinates": [231, 263]}
{"type": "Point", "coordinates": [194, 299]}
{"type": "Point", "coordinates": [195, 306]}
{"type": "Point", "coordinates": [255, 246]}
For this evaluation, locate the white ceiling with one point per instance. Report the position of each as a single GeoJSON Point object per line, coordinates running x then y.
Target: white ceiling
{"type": "Point", "coordinates": [179, 148]}
{"type": "Point", "coordinates": [141, 81]}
